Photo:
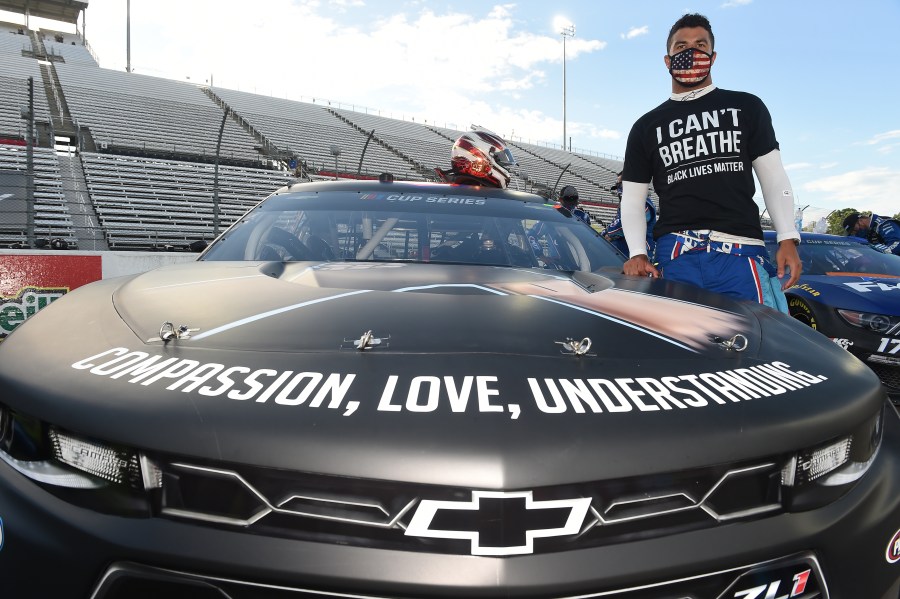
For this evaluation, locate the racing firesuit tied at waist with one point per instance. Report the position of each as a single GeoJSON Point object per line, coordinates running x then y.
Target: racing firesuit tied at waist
{"type": "Point", "coordinates": [707, 241]}
{"type": "Point", "coordinates": [754, 277]}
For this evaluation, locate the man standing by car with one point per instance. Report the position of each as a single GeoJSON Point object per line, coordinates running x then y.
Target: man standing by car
{"type": "Point", "coordinates": [568, 197]}
{"type": "Point", "coordinates": [698, 148]}
{"type": "Point", "coordinates": [883, 233]}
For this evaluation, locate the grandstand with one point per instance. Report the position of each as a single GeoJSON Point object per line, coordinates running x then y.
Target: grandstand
{"type": "Point", "coordinates": [125, 161]}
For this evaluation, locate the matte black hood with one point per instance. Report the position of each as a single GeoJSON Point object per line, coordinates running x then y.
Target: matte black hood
{"type": "Point", "coordinates": [478, 376]}
{"type": "Point", "coordinates": [423, 308]}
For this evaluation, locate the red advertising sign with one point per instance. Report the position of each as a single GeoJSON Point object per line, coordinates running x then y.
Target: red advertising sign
{"type": "Point", "coordinates": [30, 283]}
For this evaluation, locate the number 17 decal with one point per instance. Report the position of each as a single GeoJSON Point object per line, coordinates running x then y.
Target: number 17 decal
{"type": "Point", "coordinates": [886, 342]}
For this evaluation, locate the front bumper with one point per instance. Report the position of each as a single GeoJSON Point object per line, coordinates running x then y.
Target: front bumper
{"type": "Point", "coordinates": [51, 548]}
{"type": "Point", "coordinates": [799, 575]}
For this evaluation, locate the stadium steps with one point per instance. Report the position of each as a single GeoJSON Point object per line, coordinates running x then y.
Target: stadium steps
{"type": "Point", "coordinates": [442, 133]}
{"type": "Point", "coordinates": [562, 168]}
{"type": "Point", "coordinates": [38, 50]}
{"type": "Point", "coordinates": [85, 223]}
{"type": "Point", "coordinates": [56, 114]}
{"type": "Point", "coordinates": [653, 195]}
{"type": "Point", "coordinates": [266, 147]}
{"type": "Point", "coordinates": [419, 167]}
{"type": "Point", "coordinates": [62, 120]}
{"type": "Point", "coordinates": [598, 164]}
{"type": "Point", "coordinates": [43, 129]}
{"type": "Point", "coordinates": [237, 118]}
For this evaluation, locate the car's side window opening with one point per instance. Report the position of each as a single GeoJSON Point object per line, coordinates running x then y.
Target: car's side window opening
{"type": "Point", "coordinates": [847, 257]}
{"type": "Point", "coordinates": [502, 237]}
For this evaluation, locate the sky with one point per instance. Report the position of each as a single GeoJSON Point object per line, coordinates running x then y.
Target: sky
{"type": "Point", "coordinates": [827, 70]}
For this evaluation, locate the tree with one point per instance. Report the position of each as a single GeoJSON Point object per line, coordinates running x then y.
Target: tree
{"type": "Point", "coordinates": [836, 220]}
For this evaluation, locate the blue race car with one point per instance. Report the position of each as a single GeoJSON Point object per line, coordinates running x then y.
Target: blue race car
{"type": "Point", "coordinates": [850, 292]}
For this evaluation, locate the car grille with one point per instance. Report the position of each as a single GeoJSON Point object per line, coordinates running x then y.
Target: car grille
{"type": "Point", "coordinates": [375, 513]}
{"type": "Point", "coordinates": [888, 373]}
{"type": "Point", "coordinates": [135, 581]}
{"type": "Point", "coordinates": [887, 368]}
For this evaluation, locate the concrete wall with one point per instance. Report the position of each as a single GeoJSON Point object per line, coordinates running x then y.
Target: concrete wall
{"type": "Point", "coordinates": [115, 264]}
{"type": "Point", "coordinates": [30, 280]}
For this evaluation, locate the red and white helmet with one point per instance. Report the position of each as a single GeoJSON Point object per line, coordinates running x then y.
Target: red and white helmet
{"type": "Point", "coordinates": [484, 156]}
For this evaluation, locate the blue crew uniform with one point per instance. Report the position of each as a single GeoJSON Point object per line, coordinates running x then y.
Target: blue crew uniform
{"type": "Point", "coordinates": [883, 233]}
{"type": "Point", "coordinates": [614, 234]}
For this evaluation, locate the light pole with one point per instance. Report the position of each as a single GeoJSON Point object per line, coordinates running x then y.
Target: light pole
{"type": "Point", "coordinates": [128, 35]}
{"type": "Point", "coordinates": [565, 31]}
{"type": "Point", "coordinates": [216, 175]}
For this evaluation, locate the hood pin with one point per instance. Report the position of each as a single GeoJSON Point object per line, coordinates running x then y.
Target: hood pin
{"type": "Point", "coordinates": [736, 343]}
{"type": "Point", "coordinates": [578, 348]}
{"type": "Point", "coordinates": [167, 332]}
{"type": "Point", "coordinates": [367, 341]}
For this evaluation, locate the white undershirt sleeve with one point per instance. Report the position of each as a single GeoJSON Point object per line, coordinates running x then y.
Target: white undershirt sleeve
{"type": "Point", "coordinates": [634, 222]}
{"type": "Point", "coordinates": [777, 193]}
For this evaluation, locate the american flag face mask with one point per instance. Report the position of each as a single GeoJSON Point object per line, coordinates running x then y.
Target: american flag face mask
{"type": "Point", "coordinates": [690, 67]}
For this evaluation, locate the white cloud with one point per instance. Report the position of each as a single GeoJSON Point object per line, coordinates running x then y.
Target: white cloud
{"type": "Point", "coordinates": [877, 139]}
{"type": "Point", "coordinates": [803, 166]}
{"type": "Point", "coordinates": [635, 32]}
{"type": "Point", "coordinates": [736, 3]}
{"type": "Point", "coordinates": [417, 62]}
{"type": "Point", "coordinates": [873, 188]}
{"type": "Point", "coordinates": [886, 142]}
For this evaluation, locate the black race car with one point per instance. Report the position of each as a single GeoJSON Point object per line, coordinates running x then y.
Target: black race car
{"type": "Point", "coordinates": [850, 292]}
{"type": "Point", "coordinates": [379, 389]}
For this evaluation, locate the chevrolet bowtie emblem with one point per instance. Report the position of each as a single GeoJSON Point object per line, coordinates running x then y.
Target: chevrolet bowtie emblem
{"type": "Point", "coordinates": [499, 523]}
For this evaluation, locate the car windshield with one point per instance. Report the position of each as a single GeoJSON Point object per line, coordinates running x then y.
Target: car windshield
{"type": "Point", "coordinates": [411, 226]}
{"type": "Point", "coordinates": [826, 256]}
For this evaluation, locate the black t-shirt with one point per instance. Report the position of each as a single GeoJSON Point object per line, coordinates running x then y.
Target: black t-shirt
{"type": "Point", "coordinates": [699, 155]}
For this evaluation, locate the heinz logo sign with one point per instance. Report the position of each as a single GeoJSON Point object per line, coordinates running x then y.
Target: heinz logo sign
{"type": "Point", "coordinates": [14, 311]}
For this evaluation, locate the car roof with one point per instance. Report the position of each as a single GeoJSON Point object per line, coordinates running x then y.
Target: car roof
{"type": "Point", "coordinates": [769, 236]}
{"type": "Point", "coordinates": [411, 187]}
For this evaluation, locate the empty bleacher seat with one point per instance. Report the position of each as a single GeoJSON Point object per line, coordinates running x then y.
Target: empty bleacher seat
{"type": "Point", "coordinates": [142, 113]}
{"type": "Point", "coordinates": [146, 203]}
{"type": "Point", "coordinates": [51, 213]}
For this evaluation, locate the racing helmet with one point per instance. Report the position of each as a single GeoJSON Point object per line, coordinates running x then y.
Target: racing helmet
{"type": "Point", "coordinates": [484, 156]}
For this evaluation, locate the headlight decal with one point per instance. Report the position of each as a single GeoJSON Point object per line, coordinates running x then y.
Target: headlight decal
{"type": "Point", "coordinates": [838, 462]}
{"type": "Point", "coordinates": [49, 456]}
{"type": "Point", "coordinates": [117, 465]}
{"type": "Point", "coordinates": [879, 323]}
{"type": "Point", "coordinates": [51, 474]}
{"type": "Point", "coordinates": [809, 465]}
